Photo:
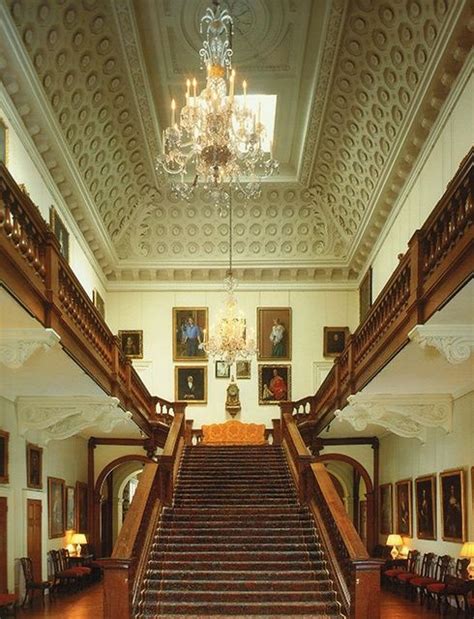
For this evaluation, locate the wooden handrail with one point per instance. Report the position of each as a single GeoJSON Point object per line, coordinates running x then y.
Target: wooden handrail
{"type": "Point", "coordinates": [355, 575]}
{"type": "Point", "coordinates": [125, 569]}
{"type": "Point", "coordinates": [437, 264]}
{"type": "Point", "coordinates": [33, 269]}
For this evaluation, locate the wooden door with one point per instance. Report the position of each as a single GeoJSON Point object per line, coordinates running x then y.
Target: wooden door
{"type": "Point", "coordinates": [3, 545]}
{"type": "Point", "coordinates": [34, 510]}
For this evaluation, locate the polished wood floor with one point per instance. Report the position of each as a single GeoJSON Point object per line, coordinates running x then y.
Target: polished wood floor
{"type": "Point", "coordinates": [88, 605]}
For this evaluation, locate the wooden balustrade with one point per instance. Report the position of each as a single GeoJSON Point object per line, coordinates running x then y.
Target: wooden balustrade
{"type": "Point", "coordinates": [124, 571]}
{"type": "Point", "coordinates": [33, 269]}
{"type": "Point", "coordinates": [437, 264]}
{"type": "Point", "coordinates": [356, 576]}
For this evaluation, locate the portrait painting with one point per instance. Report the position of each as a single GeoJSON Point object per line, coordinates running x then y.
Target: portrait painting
{"type": "Point", "coordinates": [190, 384]}
{"type": "Point", "coordinates": [365, 295]}
{"type": "Point", "coordinates": [274, 383]}
{"type": "Point", "coordinates": [425, 496]}
{"type": "Point", "coordinates": [70, 508]}
{"type": "Point", "coordinates": [81, 507]}
{"type": "Point", "coordinates": [60, 231]}
{"type": "Point", "coordinates": [386, 508]}
{"type": "Point", "coordinates": [4, 437]}
{"type": "Point", "coordinates": [56, 516]}
{"type": "Point", "coordinates": [243, 369]}
{"type": "Point", "coordinates": [98, 302]}
{"type": "Point", "coordinates": [3, 142]}
{"type": "Point", "coordinates": [131, 343]}
{"type": "Point", "coordinates": [222, 369]}
{"type": "Point", "coordinates": [190, 328]}
{"type": "Point", "coordinates": [274, 333]}
{"type": "Point", "coordinates": [453, 505]}
{"type": "Point", "coordinates": [335, 339]}
{"type": "Point", "coordinates": [34, 466]}
{"type": "Point", "coordinates": [403, 494]}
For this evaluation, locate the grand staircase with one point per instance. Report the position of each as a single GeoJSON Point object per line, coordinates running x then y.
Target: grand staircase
{"type": "Point", "coordinates": [236, 542]}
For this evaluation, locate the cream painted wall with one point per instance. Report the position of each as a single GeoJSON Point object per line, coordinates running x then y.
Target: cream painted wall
{"type": "Point", "coordinates": [105, 454]}
{"type": "Point", "coordinates": [406, 458]}
{"type": "Point", "coordinates": [23, 165]}
{"type": "Point", "coordinates": [451, 138]}
{"type": "Point", "coordinates": [64, 459]}
{"type": "Point", "coordinates": [152, 312]}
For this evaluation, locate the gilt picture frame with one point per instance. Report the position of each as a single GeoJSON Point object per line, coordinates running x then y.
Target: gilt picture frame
{"type": "Point", "coordinates": [70, 508]}
{"type": "Point", "coordinates": [98, 302]}
{"type": "Point", "coordinates": [386, 508]}
{"type": "Point", "coordinates": [191, 384]}
{"type": "Point", "coordinates": [425, 504]}
{"type": "Point", "coordinates": [403, 501]}
{"type": "Point", "coordinates": [274, 334]}
{"type": "Point", "coordinates": [453, 505]}
{"type": "Point", "coordinates": [131, 343]}
{"type": "Point", "coordinates": [4, 444]}
{"type": "Point", "coordinates": [56, 504]}
{"type": "Point", "coordinates": [334, 340]}
{"type": "Point", "coordinates": [222, 369]}
{"type": "Point", "coordinates": [274, 383]}
{"type": "Point", "coordinates": [190, 329]}
{"type": "Point", "coordinates": [60, 232]}
{"type": "Point", "coordinates": [243, 369]}
{"type": "Point", "coordinates": [34, 466]}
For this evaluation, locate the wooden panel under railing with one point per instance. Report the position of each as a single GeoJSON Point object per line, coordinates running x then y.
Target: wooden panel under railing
{"type": "Point", "coordinates": [356, 576]}
{"type": "Point", "coordinates": [34, 271]}
{"type": "Point", "coordinates": [439, 261]}
{"type": "Point", "coordinates": [124, 571]}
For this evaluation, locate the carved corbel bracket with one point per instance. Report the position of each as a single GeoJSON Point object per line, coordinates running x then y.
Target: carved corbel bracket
{"type": "Point", "coordinates": [45, 418]}
{"type": "Point", "coordinates": [17, 345]}
{"type": "Point", "coordinates": [454, 342]}
{"type": "Point", "coordinates": [405, 415]}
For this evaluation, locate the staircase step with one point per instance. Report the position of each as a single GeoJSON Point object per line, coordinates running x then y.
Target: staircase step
{"type": "Point", "coordinates": [268, 576]}
{"type": "Point", "coordinates": [251, 536]}
{"type": "Point", "coordinates": [247, 609]}
{"type": "Point", "coordinates": [244, 597]}
{"type": "Point", "coordinates": [229, 565]}
{"type": "Point", "coordinates": [244, 584]}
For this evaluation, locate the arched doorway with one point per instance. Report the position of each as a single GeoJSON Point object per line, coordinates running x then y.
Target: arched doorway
{"type": "Point", "coordinates": [360, 500]}
{"type": "Point", "coordinates": [109, 497]}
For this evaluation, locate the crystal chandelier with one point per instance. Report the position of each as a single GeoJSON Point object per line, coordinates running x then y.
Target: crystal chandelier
{"type": "Point", "coordinates": [230, 340]}
{"type": "Point", "coordinates": [214, 139]}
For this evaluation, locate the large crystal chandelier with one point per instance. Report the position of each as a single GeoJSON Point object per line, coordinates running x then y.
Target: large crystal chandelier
{"type": "Point", "coordinates": [230, 340]}
{"type": "Point", "coordinates": [214, 140]}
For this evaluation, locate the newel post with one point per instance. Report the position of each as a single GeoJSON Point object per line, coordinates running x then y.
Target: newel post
{"type": "Point", "coordinates": [365, 596]}
{"type": "Point", "coordinates": [118, 579]}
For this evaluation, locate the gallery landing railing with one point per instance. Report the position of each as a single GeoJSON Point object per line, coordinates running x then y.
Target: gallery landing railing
{"type": "Point", "coordinates": [439, 261]}
{"type": "Point", "coordinates": [33, 269]}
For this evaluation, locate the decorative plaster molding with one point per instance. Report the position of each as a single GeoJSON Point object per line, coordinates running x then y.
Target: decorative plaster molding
{"type": "Point", "coordinates": [320, 370]}
{"type": "Point", "coordinates": [455, 342]}
{"type": "Point", "coordinates": [404, 415]}
{"type": "Point", "coordinates": [47, 418]}
{"type": "Point", "coordinates": [17, 345]}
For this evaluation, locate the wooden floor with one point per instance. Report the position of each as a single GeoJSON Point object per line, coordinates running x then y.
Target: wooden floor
{"type": "Point", "coordinates": [88, 605]}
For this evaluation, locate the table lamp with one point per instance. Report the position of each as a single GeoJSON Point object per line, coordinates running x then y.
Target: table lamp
{"type": "Point", "coordinates": [394, 540]}
{"type": "Point", "coordinates": [78, 539]}
{"type": "Point", "coordinates": [467, 551]}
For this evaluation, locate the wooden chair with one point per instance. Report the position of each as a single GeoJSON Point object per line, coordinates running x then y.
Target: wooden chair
{"type": "Point", "coordinates": [405, 578]}
{"type": "Point", "coordinates": [83, 570]}
{"type": "Point", "coordinates": [7, 604]}
{"type": "Point", "coordinates": [63, 577]}
{"type": "Point", "coordinates": [437, 575]}
{"type": "Point", "coordinates": [390, 575]}
{"type": "Point", "coordinates": [453, 586]}
{"type": "Point", "coordinates": [32, 585]}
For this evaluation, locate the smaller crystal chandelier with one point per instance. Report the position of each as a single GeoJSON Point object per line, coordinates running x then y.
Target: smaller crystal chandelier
{"type": "Point", "coordinates": [230, 340]}
{"type": "Point", "coordinates": [214, 139]}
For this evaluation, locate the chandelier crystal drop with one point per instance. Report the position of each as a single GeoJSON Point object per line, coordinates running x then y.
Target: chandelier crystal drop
{"type": "Point", "coordinates": [215, 140]}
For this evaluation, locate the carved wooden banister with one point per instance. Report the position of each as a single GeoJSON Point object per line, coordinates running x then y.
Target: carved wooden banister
{"type": "Point", "coordinates": [356, 576]}
{"type": "Point", "coordinates": [33, 269]}
{"type": "Point", "coordinates": [439, 261]}
{"type": "Point", "coordinates": [125, 569]}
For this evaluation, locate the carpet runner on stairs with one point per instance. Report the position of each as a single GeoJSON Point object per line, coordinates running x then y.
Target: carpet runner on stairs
{"type": "Point", "coordinates": [236, 543]}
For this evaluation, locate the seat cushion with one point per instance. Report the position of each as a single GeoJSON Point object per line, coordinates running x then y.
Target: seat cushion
{"type": "Point", "coordinates": [393, 572]}
{"type": "Point", "coordinates": [421, 581]}
{"type": "Point", "coordinates": [6, 599]}
{"type": "Point", "coordinates": [436, 587]}
{"type": "Point", "coordinates": [406, 576]}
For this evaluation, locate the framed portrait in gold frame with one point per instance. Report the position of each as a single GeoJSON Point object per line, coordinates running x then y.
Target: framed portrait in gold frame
{"type": "Point", "coordinates": [34, 466]}
{"type": "Point", "coordinates": [453, 505]}
{"type": "Point", "coordinates": [403, 502]}
{"type": "Point", "coordinates": [190, 328]}
{"type": "Point", "coordinates": [425, 504]}
{"type": "Point", "coordinates": [56, 504]}
{"type": "Point", "coordinates": [274, 333]}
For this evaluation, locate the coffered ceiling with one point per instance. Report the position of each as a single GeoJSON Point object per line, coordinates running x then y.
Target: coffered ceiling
{"type": "Point", "coordinates": [359, 84]}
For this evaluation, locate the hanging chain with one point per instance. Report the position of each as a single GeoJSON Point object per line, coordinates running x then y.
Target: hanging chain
{"type": "Point", "coordinates": [230, 231]}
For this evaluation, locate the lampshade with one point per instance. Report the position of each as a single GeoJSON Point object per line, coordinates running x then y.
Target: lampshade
{"type": "Point", "coordinates": [467, 550]}
{"type": "Point", "coordinates": [394, 540]}
{"type": "Point", "coordinates": [79, 538]}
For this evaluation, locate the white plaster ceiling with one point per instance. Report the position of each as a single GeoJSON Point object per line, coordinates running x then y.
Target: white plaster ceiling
{"type": "Point", "coordinates": [359, 85]}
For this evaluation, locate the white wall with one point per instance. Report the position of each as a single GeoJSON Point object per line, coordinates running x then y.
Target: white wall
{"type": "Point", "coordinates": [152, 312]}
{"type": "Point", "coordinates": [64, 459]}
{"type": "Point", "coordinates": [450, 140]}
{"type": "Point", "coordinates": [402, 458]}
{"type": "Point", "coordinates": [26, 167]}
